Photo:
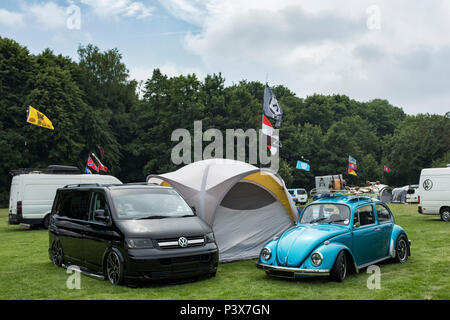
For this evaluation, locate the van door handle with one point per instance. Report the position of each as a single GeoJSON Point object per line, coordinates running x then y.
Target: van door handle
{"type": "Point", "coordinates": [377, 229]}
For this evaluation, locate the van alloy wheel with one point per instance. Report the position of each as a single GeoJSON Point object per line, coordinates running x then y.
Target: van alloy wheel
{"type": "Point", "coordinates": [114, 268]}
{"type": "Point", "coordinates": [57, 253]}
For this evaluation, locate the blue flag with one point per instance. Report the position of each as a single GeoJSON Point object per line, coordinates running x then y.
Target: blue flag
{"type": "Point", "coordinates": [87, 171]}
{"type": "Point", "coordinates": [303, 165]}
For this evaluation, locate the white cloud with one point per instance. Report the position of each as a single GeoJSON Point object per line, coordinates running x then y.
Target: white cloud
{"type": "Point", "coordinates": [326, 46]}
{"type": "Point", "coordinates": [11, 19]}
{"type": "Point", "coordinates": [117, 8]}
{"type": "Point", "coordinates": [192, 11]}
{"type": "Point", "coordinates": [48, 15]}
{"type": "Point", "coordinates": [170, 69]}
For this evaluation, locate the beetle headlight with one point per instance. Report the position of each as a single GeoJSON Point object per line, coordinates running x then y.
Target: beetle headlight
{"type": "Point", "coordinates": [316, 259]}
{"type": "Point", "coordinates": [266, 253]}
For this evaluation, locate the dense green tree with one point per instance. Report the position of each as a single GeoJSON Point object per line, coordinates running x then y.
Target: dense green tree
{"type": "Point", "coordinates": [94, 103]}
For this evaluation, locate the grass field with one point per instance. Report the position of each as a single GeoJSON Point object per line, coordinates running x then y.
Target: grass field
{"type": "Point", "coordinates": [27, 273]}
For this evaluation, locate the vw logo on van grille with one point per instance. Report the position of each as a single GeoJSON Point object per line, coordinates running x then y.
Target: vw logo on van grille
{"type": "Point", "coordinates": [183, 242]}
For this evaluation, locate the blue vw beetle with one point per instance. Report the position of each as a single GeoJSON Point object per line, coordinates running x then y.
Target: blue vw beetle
{"type": "Point", "coordinates": [334, 236]}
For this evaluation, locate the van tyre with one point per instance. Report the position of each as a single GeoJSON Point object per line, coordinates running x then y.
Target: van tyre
{"type": "Point", "coordinates": [114, 268]}
{"type": "Point", "coordinates": [339, 270]}
{"type": "Point", "coordinates": [401, 249]}
{"type": "Point", "coordinates": [57, 253]}
{"type": "Point", "coordinates": [445, 214]}
{"type": "Point", "coordinates": [46, 221]}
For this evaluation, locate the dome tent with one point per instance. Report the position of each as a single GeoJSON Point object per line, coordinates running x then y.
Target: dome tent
{"type": "Point", "coordinates": [246, 206]}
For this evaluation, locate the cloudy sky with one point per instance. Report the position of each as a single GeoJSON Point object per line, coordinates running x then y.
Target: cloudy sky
{"type": "Point", "coordinates": [395, 50]}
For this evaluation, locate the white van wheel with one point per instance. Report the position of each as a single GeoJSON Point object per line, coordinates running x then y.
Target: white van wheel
{"type": "Point", "coordinates": [46, 221]}
{"type": "Point", "coordinates": [445, 214]}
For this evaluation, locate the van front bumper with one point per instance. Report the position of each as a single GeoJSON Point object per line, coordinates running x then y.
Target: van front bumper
{"type": "Point", "coordinates": [285, 272]}
{"type": "Point", "coordinates": [173, 264]}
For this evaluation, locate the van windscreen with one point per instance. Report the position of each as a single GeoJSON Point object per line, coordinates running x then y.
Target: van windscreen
{"type": "Point", "coordinates": [149, 204]}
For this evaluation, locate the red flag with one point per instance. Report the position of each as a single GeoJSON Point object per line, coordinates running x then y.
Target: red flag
{"type": "Point", "coordinates": [91, 164]}
{"type": "Point", "coordinates": [387, 169]}
{"type": "Point", "coordinates": [101, 166]}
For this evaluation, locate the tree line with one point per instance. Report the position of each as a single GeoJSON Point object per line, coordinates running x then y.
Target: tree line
{"type": "Point", "coordinates": [93, 102]}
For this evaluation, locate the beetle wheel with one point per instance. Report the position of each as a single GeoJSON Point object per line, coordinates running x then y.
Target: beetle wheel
{"type": "Point", "coordinates": [402, 249]}
{"type": "Point", "coordinates": [339, 270]}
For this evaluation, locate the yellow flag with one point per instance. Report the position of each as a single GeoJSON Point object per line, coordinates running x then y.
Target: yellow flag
{"type": "Point", "coordinates": [38, 118]}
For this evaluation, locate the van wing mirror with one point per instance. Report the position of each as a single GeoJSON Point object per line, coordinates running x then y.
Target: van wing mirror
{"type": "Point", "coordinates": [194, 210]}
{"type": "Point", "coordinates": [99, 215]}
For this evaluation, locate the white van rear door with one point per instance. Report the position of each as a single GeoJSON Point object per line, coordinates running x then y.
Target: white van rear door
{"type": "Point", "coordinates": [13, 196]}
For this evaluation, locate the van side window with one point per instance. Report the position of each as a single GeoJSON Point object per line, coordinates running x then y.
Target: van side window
{"type": "Point", "coordinates": [366, 215]}
{"type": "Point", "coordinates": [382, 213]}
{"type": "Point", "coordinates": [63, 205]}
{"type": "Point", "coordinates": [99, 202]}
{"type": "Point", "coordinates": [79, 205]}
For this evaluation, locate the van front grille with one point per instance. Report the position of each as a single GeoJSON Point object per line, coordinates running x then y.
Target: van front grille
{"type": "Point", "coordinates": [173, 243]}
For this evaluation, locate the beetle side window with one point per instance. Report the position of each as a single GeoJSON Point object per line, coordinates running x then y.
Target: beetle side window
{"type": "Point", "coordinates": [364, 216]}
{"type": "Point", "coordinates": [382, 213]}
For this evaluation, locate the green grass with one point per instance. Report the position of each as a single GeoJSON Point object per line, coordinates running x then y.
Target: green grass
{"type": "Point", "coordinates": [27, 273]}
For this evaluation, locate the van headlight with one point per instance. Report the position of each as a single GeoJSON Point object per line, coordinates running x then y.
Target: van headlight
{"type": "Point", "coordinates": [316, 259]}
{"type": "Point", "coordinates": [266, 253]}
{"type": "Point", "coordinates": [209, 237]}
{"type": "Point", "coordinates": [139, 243]}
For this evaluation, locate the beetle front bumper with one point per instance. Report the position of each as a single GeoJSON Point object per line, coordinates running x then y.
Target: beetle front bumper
{"type": "Point", "coordinates": [285, 272]}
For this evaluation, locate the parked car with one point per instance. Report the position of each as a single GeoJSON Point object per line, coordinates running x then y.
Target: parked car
{"type": "Point", "coordinates": [335, 236]}
{"type": "Point", "coordinates": [32, 192]}
{"type": "Point", "coordinates": [434, 192]}
{"type": "Point", "coordinates": [299, 195]}
{"type": "Point", "coordinates": [130, 232]}
{"type": "Point", "coordinates": [412, 195]}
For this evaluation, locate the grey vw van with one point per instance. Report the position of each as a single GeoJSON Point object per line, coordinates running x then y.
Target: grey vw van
{"type": "Point", "coordinates": [125, 232]}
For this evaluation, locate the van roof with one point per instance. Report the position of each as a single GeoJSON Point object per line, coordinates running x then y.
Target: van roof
{"type": "Point", "coordinates": [436, 170]}
{"type": "Point", "coordinates": [143, 185]}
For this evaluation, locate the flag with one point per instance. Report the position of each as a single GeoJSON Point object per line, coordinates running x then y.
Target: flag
{"type": "Point", "coordinates": [303, 165]}
{"type": "Point", "coordinates": [91, 164]}
{"type": "Point", "coordinates": [387, 169]}
{"type": "Point", "coordinates": [87, 171]}
{"type": "Point", "coordinates": [38, 118]}
{"type": "Point", "coordinates": [101, 150]}
{"type": "Point", "coordinates": [271, 110]}
{"type": "Point", "coordinates": [100, 165]}
{"type": "Point", "coordinates": [352, 166]}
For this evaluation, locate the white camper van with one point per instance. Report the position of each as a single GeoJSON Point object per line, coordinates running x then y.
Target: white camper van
{"type": "Point", "coordinates": [434, 192]}
{"type": "Point", "coordinates": [32, 193]}
{"type": "Point", "coordinates": [299, 195]}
